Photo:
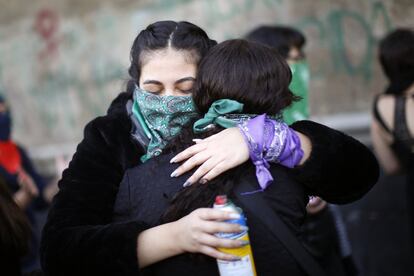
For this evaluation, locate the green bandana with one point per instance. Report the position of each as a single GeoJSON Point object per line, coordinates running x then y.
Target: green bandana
{"type": "Point", "coordinates": [161, 117]}
{"type": "Point", "coordinates": [218, 115]}
{"type": "Point", "coordinates": [300, 87]}
{"type": "Point", "coordinates": [225, 113]}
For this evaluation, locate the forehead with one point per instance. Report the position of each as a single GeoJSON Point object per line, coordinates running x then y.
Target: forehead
{"type": "Point", "coordinates": [167, 63]}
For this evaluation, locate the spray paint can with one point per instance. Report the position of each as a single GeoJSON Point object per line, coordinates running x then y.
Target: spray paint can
{"type": "Point", "coordinates": [244, 266]}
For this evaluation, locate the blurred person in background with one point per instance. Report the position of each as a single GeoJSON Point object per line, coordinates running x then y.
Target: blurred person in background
{"type": "Point", "coordinates": [80, 237]}
{"type": "Point", "coordinates": [24, 182]}
{"type": "Point", "coordinates": [392, 127]}
{"type": "Point", "coordinates": [15, 233]}
{"type": "Point", "coordinates": [324, 229]}
{"type": "Point", "coordinates": [290, 43]}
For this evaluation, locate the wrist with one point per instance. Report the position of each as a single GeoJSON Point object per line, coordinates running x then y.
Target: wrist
{"type": "Point", "coordinates": [158, 243]}
{"type": "Point", "coordinates": [306, 147]}
{"type": "Point", "coordinates": [22, 198]}
{"type": "Point", "coordinates": [174, 231]}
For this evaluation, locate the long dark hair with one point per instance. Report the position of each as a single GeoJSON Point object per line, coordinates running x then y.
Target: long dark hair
{"type": "Point", "coordinates": [396, 55]}
{"type": "Point", "coordinates": [163, 34]}
{"type": "Point", "coordinates": [248, 72]}
{"type": "Point", "coordinates": [14, 226]}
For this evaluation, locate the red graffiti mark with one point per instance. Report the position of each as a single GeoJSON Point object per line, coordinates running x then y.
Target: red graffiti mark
{"type": "Point", "coordinates": [46, 25]}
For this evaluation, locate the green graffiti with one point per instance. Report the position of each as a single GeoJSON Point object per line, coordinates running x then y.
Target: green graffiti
{"type": "Point", "coordinates": [58, 91]}
{"type": "Point", "coordinates": [313, 22]}
{"type": "Point", "coordinates": [378, 10]}
{"type": "Point", "coordinates": [336, 21]}
{"type": "Point", "coordinates": [218, 12]}
{"type": "Point", "coordinates": [332, 32]}
{"type": "Point", "coordinates": [55, 87]}
{"type": "Point", "coordinates": [272, 3]}
{"type": "Point", "coordinates": [165, 5]}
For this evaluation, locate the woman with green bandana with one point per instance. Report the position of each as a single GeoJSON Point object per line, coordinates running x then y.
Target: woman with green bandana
{"type": "Point", "coordinates": [290, 43]}
{"type": "Point", "coordinates": [80, 237]}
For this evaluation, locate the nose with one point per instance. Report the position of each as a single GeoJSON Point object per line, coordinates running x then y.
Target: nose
{"type": "Point", "coordinates": [169, 92]}
{"type": "Point", "coordinates": [173, 92]}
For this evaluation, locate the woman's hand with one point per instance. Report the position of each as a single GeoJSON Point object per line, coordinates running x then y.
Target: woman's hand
{"type": "Point", "coordinates": [193, 233]}
{"type": "Point", "coordinates": [216, 154]}
{"type": "Point", "coordinates": [315, 205]}
{"type": "Point", "coordinates": [27, 192]}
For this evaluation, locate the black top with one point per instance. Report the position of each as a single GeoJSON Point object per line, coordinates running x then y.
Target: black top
{"type": "Point", "coordinates": [403, 142]}
{"type": "Point", "coordinates": [145, 192]}
{"type": "Point", "coordinates": [80, 238]}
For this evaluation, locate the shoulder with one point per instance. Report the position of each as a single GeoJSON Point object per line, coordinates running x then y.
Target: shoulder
{"type": "Point", "coordinates": [385, 102]}
{"type": "Point", "coordinates": [116, 123]}
{"type": "Point", "coordinates": [385, 105]}
{"type": "Point", "coordinates": [118, 104]}
{"type": "Point", "coordinates": [109, 138]}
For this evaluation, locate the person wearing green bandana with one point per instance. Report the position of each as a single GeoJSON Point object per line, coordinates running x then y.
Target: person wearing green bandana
{"type": "Point", "coordinates": [323, 218]}
{"type": "Point", "coordinates": [289, 42]}
{"type": "Point", "coordinates": [80, 236]}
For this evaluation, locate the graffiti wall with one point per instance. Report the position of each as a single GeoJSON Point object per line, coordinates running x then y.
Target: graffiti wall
{"type": "Point", "coordinates": [61, 62]}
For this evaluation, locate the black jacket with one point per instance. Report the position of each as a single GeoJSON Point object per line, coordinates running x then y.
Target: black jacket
{"type": "Point", "coordinates": [80, 238]}
{"type": "Point", "coordinates": [141, 198]}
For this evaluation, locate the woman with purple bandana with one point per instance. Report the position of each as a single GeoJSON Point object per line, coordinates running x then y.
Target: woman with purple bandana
{"type": "Point", "coordinates": [237, 80]}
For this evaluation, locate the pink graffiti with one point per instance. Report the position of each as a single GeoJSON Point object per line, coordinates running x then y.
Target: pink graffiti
{"type": "Point", "coordinates": [47, 25]}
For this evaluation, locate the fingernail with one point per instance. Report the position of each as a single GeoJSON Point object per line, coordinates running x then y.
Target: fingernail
{"type": "Point", "coordinates": [234, 216]}
{"type": "Point", "coordinates": [197, 140]}
{"type": "Point", "coordinates": [186, 184]}
{"type": "Point", "coordinates": [243, 228]}
{"type": "Point", "coordinates": [244, 243]}
{"type": "Point", "coordinates": [173, 160]}
{"type": "Point", "coordinates": [203, 181]}
{"type": "Point", "coordinates": [174, 174]}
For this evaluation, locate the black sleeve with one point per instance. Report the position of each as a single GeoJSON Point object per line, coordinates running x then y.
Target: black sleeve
{"type": "Point", "coordinates": [79, 237]}
{"type": "Point", "coordinates": [340, 169]}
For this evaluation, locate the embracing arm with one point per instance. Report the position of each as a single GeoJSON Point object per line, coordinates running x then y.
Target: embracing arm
{"type": "Point", "coordinates": [192, 233]}
{"type": "Point", "coordinates": [333, 166]}
{"type": "Point", "coordinates": [78, 238]}
{"type": "Point", "coordinates": [339, 169]}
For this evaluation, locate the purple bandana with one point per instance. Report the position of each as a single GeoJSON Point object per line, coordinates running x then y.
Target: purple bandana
{"type": "Point", "coordinates": [270, 141]}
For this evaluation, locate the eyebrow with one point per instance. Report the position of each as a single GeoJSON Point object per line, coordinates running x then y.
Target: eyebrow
{"type": "Point", "coordinates": [184, 80]}
{"type": "Point", "coordinates": [152, 82]}
{"type": "Point", "coordinates": [177, 82]}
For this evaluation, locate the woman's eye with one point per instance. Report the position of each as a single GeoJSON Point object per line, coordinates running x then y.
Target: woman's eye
{"type": "Point", "coordinates": [152, 89]}
{"type": "Point", "coordinates": [186, 88]}
{"type": "Point", "coordinates": [188, 91]}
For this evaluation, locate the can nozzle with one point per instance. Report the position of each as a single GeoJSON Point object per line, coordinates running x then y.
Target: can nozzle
{"type": "Point", "coordinates": [220, 200]}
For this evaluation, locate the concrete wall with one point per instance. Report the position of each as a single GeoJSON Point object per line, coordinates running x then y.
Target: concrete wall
{"type": "Point", "coordinates": [61, 61]}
